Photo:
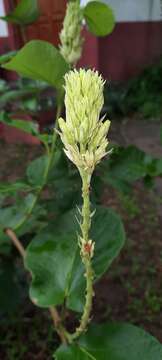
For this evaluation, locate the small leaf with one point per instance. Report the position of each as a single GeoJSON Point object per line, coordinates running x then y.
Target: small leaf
{"type": "Point", "coordinates": [113, 341]}
{"type": "Point", "coordinates": [125, 166]}
{"type": "Point", "coordinates": [25, 13]}
{"type": "Point", "coordinates": [17, 94]}
{"type": "Point", "coordinates": [27, 126]}
{"type": "Point", "coordinates": [6, 57]}
{"type": "Point", "coordinates": [57, 244]}
{"type": "Point", "coordinates": [12, 188]}
{"type": "Point", "coordinates": [50, 258]}
{"type": "Point", "coordinates": [36, 170]}
{"type": "Point", "coordinates": [39, 60]}
{"type": "Point", "coordinates": [13, 216]}
{"type": "Point", "coordinates": [99, 18]}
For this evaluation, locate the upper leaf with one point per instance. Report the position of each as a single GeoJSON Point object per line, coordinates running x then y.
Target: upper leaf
{"type": "Point", "coordinates": [26, 12]}
{"type": "Point", "coordinates": [99, 18]}
{"type": "Point", "coordinates": [114, 342]}
{"type": "Point", "coordinates": [54, 260]}
{"type": "Point", "coordinates": [39, 60]}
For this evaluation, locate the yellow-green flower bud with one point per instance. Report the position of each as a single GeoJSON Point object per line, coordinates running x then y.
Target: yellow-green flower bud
{"type": "Point", "coordinates": [84, 134]}
{"type": "Point", "coordinates": [70, 36]}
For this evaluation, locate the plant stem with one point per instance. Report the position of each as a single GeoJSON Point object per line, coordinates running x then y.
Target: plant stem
{"type": "Point", "coordinates": [86, 258]}
{"type": "Point", "coordinates": [57, 324]}
{"type": "Point", "coordinates": [23, 34]}
{"type": "Point", "coordinates": [15, 241]}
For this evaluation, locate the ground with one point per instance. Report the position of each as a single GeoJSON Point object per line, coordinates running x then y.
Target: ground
{"type": "Point", "coordinates": [131, 290]}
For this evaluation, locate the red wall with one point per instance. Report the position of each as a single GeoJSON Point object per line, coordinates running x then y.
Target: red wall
{"type": "Point", "coordinates": [126, 51]}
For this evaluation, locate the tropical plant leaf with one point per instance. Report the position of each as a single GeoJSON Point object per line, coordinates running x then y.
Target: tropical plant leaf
{"type": "Point", "coordinates": [99, 18]}
{"type": "Point", "coordinates": [114, 341]}
{"type": "Point", "coordinates": [39, 60]}
{"type": "Point", "coordinates": [53, 258]}
{"type": "Point", "coordinates": [25, 13]}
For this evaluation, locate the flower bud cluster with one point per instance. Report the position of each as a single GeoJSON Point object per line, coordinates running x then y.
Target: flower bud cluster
{"type": "Point", "coordinates": [84, 134]}
{"type": "Point", "coordinates": [70, 36]}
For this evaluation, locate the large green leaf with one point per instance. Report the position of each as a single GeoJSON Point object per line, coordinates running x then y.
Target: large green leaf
{"type": "Point", "coordinates": [50, 259]}
{"type": "Point", "coordinates": [114, 341]}
{"type": "Point", "coordinates": [99, 18]}
{"type": "Point", "coordinates": [39, 60]}
{"type": "Point", "coordinates": [53, 258]}
{"type": "Point", "coordinates": [25, 13]}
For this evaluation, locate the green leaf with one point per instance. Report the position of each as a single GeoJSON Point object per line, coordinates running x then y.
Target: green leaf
{"type": "Point", "coordinates": [39, 60]}
{"type": "Point", "coordinates": [108, 233]}
{"type": "Point", "coordinates": [12, 216]}
{"type": "Point", "coordinates": [36, 170]}
{"type": "Point", "coordinates": [17, 94]}
{"type": "Point", "coordinates": [99, 18]}
{"type": "Point", "coordinates": [73, 352]}
{"type": "Point", "coordinates": [45, 138]}
{"type": "Point", "coordinates": [25, 13]}
{"type": "Point", "coordinates": [6, 57]}
{"type": "Point", "coordinates": [53, 258]}
{"type": "Point", "coordinates": [125, 166]}
{"type": "Point", "coordinates": [50, 259]}
{"type": "Point", "coordinates": [114, 341]}
{"type": "Point", "coordinates": [27, 126]}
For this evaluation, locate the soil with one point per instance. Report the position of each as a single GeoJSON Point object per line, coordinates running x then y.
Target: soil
{"type": "Point", "coordinates": [132, 288]}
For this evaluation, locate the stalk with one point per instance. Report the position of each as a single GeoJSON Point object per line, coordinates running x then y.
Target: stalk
{"type": "Point", "coordinates": [86, 254]}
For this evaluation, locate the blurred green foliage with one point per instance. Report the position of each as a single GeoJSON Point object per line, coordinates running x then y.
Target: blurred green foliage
{"type": "Point", "coordinates": [142, 94]}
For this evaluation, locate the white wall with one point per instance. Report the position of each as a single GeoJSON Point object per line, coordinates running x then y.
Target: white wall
{"type": "Point", "coordinates": [3, 25]}
{"type": "Point", "coordinates": [135, 10]}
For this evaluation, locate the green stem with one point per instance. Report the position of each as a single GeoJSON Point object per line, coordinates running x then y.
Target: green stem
{"type": "Point", "coordinates": [86, 224]}
{"type": "Point", "coordinates": [86, 258]}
